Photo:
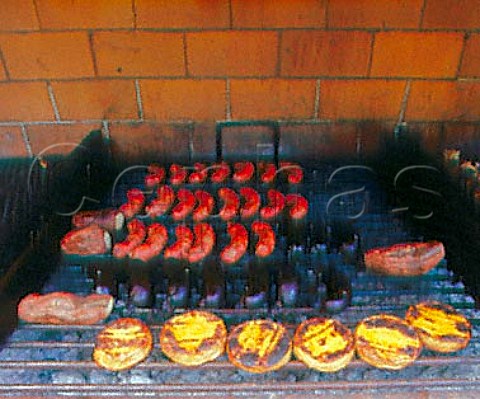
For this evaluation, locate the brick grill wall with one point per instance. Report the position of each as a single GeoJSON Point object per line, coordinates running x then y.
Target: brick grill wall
{"type": "Point", "coordinates": [67, 67]}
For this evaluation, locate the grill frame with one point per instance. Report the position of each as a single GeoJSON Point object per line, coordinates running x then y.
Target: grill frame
{"type": "Point", "coordinates": [263, 388]}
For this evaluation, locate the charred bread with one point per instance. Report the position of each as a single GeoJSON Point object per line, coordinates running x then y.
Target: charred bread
{"type": "Point", "coordinates": [387, 342]}
{"type": "Point", "coordinates": [122, 344]}
{"type": "Point", "coordinates": [259, 346]}
{"type": "Point", "coordinates": [440, 327]}
{"type": "Point", "coordinates": [193, 338]}
{"type": "Point", "coordinates": [323, 344]}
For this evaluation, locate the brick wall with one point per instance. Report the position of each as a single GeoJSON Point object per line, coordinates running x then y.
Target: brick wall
{"type": "Point", "coordinates": [69, 66]}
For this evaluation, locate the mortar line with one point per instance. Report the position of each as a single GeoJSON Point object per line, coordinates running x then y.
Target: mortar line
{"type": "Point", "coordinates": [134, 12]}
{"type": "Point", "coordinates": [230, 13]}
{"type": "Point", "coordinates": [370, 57]}
{"type": "Point", "coordinates": [228, 100]}
{"type": "Point", "coordinates": [403, 105]}
{"type": "Point", "coordinates": [26, 140]}
{"type": "Point", "coordinates": [422, 14]}
{"type": "Point", "coordinates": [316, 109]}
{"type": "Point", "coordinates": [92, 52]}
{"type": "Point", "coordinates": [53, 101]}
{"type": "Point", "coordinates": [138, 95]}
{"type": "Point", "coordinates": [185, 57]}
{"type": "Point", "coordinates": [327, 9]}
{"type": "Point", "coordinates": [278, 68]}
{"type": "Point", "coordinates": [37, 13]}
{"type": "Point", "coordinates": [3, 62]}
{"type": "Point", "coordinates": [466, 36]}
{"type": "Point", "coordinates": [105, 130]}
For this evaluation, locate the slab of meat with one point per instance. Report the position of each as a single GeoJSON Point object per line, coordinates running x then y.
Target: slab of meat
{"type": "Point", "coordinates": [178, 174]}
{"type": "Point", "coordinates": [135, 202]}
{"type": "Point", "coordinates": [157, 237]}
{"type": "Point", "coordinates": [276, 203]}
{"type": "Point", "coordinates": [161, 205]}
{"type": "Point", "coordinates": [205, 205]}
{"type": "Point", "coordinates": [405, 259]}
{"type": "Point", "coordinates": [186, 203]}
{"type": "Point", "coordinates": [155, 176]}
{"type": "Point", "coordinates": [298, 206]}
{"type": "Point", "coordinates": [243, 172]}
{"type": "Point", "coordinates": [136, 234]}
{"type": "Point", "coordinates": [110, 219]}
{"type": "Point", "coordinates": [65, 308]}
{"type": "Point", "coordinates": [221, 172]}
{"type": "Point", "coordinates": [90, 240]}
{"type": "Point", "coordinates": [252, 202]}
{"type": "Point", "coordinates": [231, 203]}
{"type": "Point", "coordinates": [266, 238]}
{"type": "Point", "coordinates": [238, 245]}
{"type": "Point", "coordinates": [203, 244]}
{"type": "Point", "coordinates": [179, 249]}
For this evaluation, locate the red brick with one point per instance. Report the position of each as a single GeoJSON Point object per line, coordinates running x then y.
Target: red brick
{"type": "Point", "coordinates": [25, 102]}
{"type": "Point", "coordinates": [278, 13]}
{"type": "Point", "coordinates": [238, 53]}
{"type": "Point", "coordinates": [444, 101]}
{"type": "Point", "coordinates": [13, 144]}
{"type": "Point", "coordinates": [47, 55]}
{"type": "Point", "coordinates": [96, 99]}
{"type": "Point", "coordinates": [18, 15]}
{"type": "Point", "coordinates": [452, 14]}
{"type": "Point", "coordinates": [272, 99]}
{"type": "Point", "coordinates": [173, 100]}
{"type": "Point", "coordinates": [339, 53]}
{"type": "Point", "coordinates": [139, 54]}
{"type": "Point", "coordinates": [374, 13]}
{"type": "Point", "coordinates": [471, 57]}
{"type": "Point", "coordinates": [360, 99]}
{"type": "Point", "coordinates": [167, 14]}
{"type": "Point", "coordinates": [416, 54]}
{"type": "Point", "coordinates": [58, 138]}
{"type": "Point", "coordinates": [149, 142]}
{"type": "Point", "coordinates": [85, 14]}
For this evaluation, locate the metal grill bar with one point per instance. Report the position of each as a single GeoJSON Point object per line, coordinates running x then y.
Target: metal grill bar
{"type": "Point", "coordinates": [223, 365]}
{"type": "Point", "coordinates": [245, 389]}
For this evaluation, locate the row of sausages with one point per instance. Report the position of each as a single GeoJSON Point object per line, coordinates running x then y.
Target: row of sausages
{"type": "Point", "coordinates": [241, 172]}
{"type": "Point", "coordinates": [200, 204]}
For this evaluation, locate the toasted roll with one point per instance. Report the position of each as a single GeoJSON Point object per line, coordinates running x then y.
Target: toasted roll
{"type": "Point", "coordinates": [122, 344]}
{"type": "Point", "coordinates": [387, 342]}
{"type": "Point", "coordinates": [440, 327]}
{"type": "Point", "coordinates": [259, 346]}
{"type": "Point", "coordinates": [324, 344]}
{"type": "Point", "coordinates": [193, 338]}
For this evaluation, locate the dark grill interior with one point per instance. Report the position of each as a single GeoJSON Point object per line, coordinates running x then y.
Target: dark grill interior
{"type": "Point", "coordinates": [352, 209]}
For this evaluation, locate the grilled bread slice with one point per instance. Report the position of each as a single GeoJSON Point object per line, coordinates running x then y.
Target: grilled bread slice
{"type": "Point", "coordinates": [324, 344]}
{"type": "Point", "coordinates": [440, 327]}
{"type": "Point", "coordinates": [122, 344]}
{"type": "Point", "coordinates": [259, 346]}
{"type": "Point", "coordinates": [387, 342]}
{"type": "Point", "coordinates": [193, 338]}
{"type": "Point", "coordinates": [406, 259]}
